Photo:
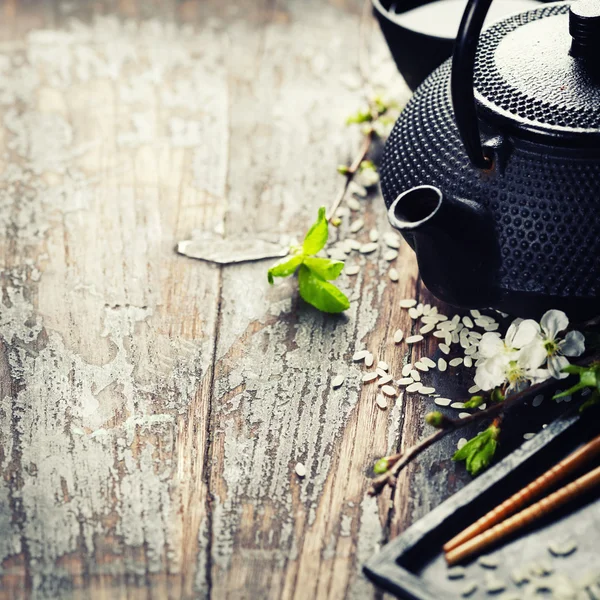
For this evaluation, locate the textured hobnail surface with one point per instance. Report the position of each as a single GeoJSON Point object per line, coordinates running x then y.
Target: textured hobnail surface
{"type": "Point", "coordinates": [546, 208]}
{"type": "Point", "coordinates": [524, 70]}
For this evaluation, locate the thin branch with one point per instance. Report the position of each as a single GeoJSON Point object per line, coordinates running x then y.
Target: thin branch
{"type": "Point", "coordinates": [402, 459]}
{"type": "Point", "coordinates": [352, 169]}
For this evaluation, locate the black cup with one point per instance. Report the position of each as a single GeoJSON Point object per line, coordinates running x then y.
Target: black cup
{"type": "Point", "coordinates": [416, 54]}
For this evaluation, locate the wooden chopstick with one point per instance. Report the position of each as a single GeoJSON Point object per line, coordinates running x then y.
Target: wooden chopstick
{"type": "Point", "coordinates": [540, 509]}
{"type": "Point", "coordinates": [510, 506]}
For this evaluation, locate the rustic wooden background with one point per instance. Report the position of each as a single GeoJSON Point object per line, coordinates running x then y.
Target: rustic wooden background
{"type": "Point", "coordinates": [152, 407]}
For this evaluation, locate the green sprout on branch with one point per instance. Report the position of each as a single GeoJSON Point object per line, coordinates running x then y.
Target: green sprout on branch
{"type": "Point", "coordinates": [314, 273]}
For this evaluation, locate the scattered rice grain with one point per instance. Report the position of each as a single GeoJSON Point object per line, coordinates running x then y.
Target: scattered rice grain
{"type": "Point", "coordinates": [457, 405]}
{"type": "Point", "coordinates": [406, 369]}
{"type": "Point", "coordinates": [487, 562]}
{"type": "Point", "coordinates": [385, 379]}
{"type": "Point", "coordinates": [388, 390]}
{"type": "Point", "coordinates": [381, 402]}
{"type": "Point", "coordinates": [390, 255]}
{"type": "Point", "coordinates": [427, 328]}
{"type": "Point", "coordinates": [455, 362]}
{"type": "Point", "coordinates": [442, 365]}
{"type": "Point", "coordinates": [360, 355]}
{"type": "Point", "coordinates": [357, 190]}
{"type": "Point", "coordinates": [408, 303]}
{"type": "Point", "coordinates": [300, 470]}
{"type": "Point", "coordinates": [353, 203]}
{"type": "Point", "coordinates": [456, 572]}
{"type": "Point", "coordinates": [392, 240]}
{"type": "Point", "coordinates": [337, 381]}
{"type": "Point", "coordinates": [352, 270]}
{"type": "Point", "coordinates": [357, 225]}
{"type": "Point", "coordinates": [427, 361]}
{"type": "Point", "coordinates": [493, 585]}
{"type": "Point", "coordinates": [444, 348]}
{"type": "Point", "coordinates": [405, 381]}
{"type": "Point", "coordinates": [468, 589]}
{"type": "Point", "coordinates": [461, 443]}
{"type": "Point", "coordinates": [422, 367]}
{"type": "Point", "coordinates": [475, 313]}
{"type": "Point", "coordinates": [427, 390]}
{"type": "Point", "coordinates": [413, 339]}
{"type": "Point", "coordinates": [443, 401]}
{"type": "Point", "coordinates": [474, 389]}
{"type": "Point", "coordinates": [398, 335]}
{"type": "Point", "coordinates": [413, 313]}
{"type": "Point", "coordinates": [414, 387]}
{"type": "Point", "coordinates": [373, 235]}
{"type": "Point", "coordinates": [415, 375]}
{"type": "Point", "coordinates": [393, 275]}
{"type": "Point", "coordinates": [369, 377]}
{"type": "Point", "coordinates": [564, 549]}
{"type": "Point", "coordinates": [468, 361]}
{"type": "Point", "coordinates": [463, 415]}
{"type": "Point", "coordinates": [368, 248]}
{"type": "Point", "coordinates": [467, 321]}
{"type": "Point", "coordinates": [528, 436]}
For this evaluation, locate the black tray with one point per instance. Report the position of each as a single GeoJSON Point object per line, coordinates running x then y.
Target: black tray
{"type": "Point", "coordinates": [412, 565]}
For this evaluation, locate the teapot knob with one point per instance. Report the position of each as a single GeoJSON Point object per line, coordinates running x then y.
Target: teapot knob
{"type": "Point", "coordinates": [584, 27]}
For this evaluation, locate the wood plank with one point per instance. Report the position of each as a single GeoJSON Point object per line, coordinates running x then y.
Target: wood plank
{"type": "Point", "coordinates": [275, 535]}
{"type": "Point", "coordinates": [107, 334]}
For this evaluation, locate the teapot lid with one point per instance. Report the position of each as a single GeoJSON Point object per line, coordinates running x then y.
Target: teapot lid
{"type": "Point", "coordinates": [537, 74]}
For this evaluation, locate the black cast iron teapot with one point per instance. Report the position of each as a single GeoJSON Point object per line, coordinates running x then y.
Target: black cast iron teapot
{"type": "Point", "coordinates": [492, 172]}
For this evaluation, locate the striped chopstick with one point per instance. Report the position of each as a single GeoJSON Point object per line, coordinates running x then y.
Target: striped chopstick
{"type": "Point", "coordinates": [527, 516]}
{"type": "Point", "coordinates": [510, 506]}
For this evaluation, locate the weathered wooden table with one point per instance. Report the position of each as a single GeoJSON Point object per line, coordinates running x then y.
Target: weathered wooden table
{"type": "Point", "coordinates": [152, 407]}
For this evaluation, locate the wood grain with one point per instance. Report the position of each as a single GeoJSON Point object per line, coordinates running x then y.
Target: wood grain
{"type": "Point", "coordinates": [152, 408]}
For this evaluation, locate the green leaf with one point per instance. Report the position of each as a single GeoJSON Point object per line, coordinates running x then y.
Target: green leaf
{"type": "Point", "coordinates": [320, 293]}
{"type": "Point", "coordinates": [285, 267]}
{"type": "Point", "coordinates": [360, 116]}
{"type": "Point", "coordinates": [317, 235]}
{"type": "Point", "coordinates": [589, 377]}
{"type": "Point", "coordinates": [479, 451]}
{"type": "Point", "coordinates": [325, 268]}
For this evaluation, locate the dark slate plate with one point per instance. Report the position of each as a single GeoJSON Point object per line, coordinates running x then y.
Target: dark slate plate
{"type": "Point", "coordinates": [412, 565]}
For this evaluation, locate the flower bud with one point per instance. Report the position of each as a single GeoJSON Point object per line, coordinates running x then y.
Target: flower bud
{"type": "Point", "coordinates": [381, 466]}
{"type": "Point", "coordinates": [435, 419]}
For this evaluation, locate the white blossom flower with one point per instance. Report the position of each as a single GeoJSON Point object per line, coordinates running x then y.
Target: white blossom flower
{"type": "Point", "coordinates": [551, 324]}
{"type": "Point", "coordinates": [519, 334]}
{"type": "Point", "coordinates": [515, 360]}
{"type": "Point", "coordinates": [519, 370]}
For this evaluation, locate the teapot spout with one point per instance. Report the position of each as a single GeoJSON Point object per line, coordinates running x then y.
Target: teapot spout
{"type": "Point", "coordinates": [455, 242]}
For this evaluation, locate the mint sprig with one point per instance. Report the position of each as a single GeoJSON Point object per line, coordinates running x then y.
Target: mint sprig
{"type": "Point", "coordinates": [479, 451]}
{"type": "Point", "coordinates": [314, 273]}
